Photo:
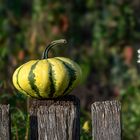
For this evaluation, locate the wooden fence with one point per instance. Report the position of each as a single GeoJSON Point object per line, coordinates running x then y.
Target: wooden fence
{"type": "Point", "coordinates": [59, 119]}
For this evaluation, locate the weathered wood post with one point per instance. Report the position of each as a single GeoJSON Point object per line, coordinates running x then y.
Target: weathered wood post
{"type": "Point", "coordinates": [4, 122]}
{"type": "Point", "coordinates": [106, 120]}
{"type": "Point", "coordinates": [55, 119]}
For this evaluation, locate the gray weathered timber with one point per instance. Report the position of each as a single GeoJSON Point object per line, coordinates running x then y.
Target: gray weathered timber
{"type": "Point", "coordinates": [4, 122]}
{"type": "Point", "coordinates": [106, 122]}
{"type": "Point", "coordinates": [55, 119]}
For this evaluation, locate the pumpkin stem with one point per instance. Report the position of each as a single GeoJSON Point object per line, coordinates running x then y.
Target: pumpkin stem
{"type": "Point", "coordinates": [52, 44]}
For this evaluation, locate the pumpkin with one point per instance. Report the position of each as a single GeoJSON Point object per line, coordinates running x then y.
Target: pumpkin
{"type": "Point", "coordinates": [48, 77]}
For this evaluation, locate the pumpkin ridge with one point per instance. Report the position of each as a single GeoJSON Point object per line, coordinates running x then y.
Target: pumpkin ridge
{"type": "Point", "coordinates": [72, 74]}
{"type": "Point", "coordinates": [32, 80]}
{"type": "Point", "coordinates": [52, 80]}
{"type": "Point", "coordinates": [19, 84]}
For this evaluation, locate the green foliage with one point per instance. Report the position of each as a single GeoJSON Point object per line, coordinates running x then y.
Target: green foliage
{"type": "Point", "coordinates": [85, 133]}
{"type": "Point", "coordinates": [20, 124]}
{"type": "Point", "coordinates": [19, 117]}
{"type": "Point", "coordinates": [131, 113]}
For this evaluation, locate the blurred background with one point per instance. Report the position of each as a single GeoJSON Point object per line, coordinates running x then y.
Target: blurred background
{"type": "Point", "coordinates": [103, 38]}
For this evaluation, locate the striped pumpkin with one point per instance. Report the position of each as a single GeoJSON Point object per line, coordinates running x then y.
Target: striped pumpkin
{"type": "Point", "coordinates": [47, 78]}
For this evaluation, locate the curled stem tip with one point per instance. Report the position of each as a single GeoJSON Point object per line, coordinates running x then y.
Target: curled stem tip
{"type": "Point", "coordinates": [52, 44]}
{"type": "Point", "coordinates": [60, 41]}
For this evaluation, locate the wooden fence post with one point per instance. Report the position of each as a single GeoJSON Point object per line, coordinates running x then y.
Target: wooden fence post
{"type": "Point", "coordinates": [106, 124]}
{"type": "Point", "coordinates": [4, 122]}
{"type": "Point", "coordinates": [55, 119]}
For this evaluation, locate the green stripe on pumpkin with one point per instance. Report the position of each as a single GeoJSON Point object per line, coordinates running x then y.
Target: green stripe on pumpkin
{"type": "Point", "coordinates": [32, 80]}
{"type": "Point", "coordinates": [52, 80]}
{"type": "Point", "coordinates": [19, 84]}
{"type": "Point", "coordinates": [72, 74]}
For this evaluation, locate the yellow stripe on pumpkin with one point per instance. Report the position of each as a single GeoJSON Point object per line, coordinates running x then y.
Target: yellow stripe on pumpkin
{"type": "Point", "coordinates": [23, 77]}
{"type": "Point", "coordinates": [42, 77]}
{"type": "Point", "coordinates": [15, 81]}
{"type": "Point", "coordinates": [60, 74]}
{"type": "Point", "coordinates": [77, 70]}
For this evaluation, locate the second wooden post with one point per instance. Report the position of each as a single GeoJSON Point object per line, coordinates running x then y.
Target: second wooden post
{"type": "Point", "coordinates": [106, 120]}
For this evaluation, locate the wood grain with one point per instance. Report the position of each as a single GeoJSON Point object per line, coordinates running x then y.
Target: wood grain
{"type": "Point", "coordinates": [106, 120]}
{"type": "Point", "coordinates": [4, 122]}
{"type": "Point", "coordinates": [57, 119]}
